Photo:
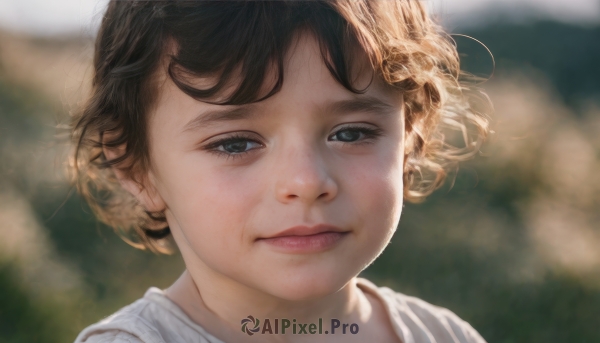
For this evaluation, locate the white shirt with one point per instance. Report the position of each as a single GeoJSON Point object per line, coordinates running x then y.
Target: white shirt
{"type": "Point", "coordinates": [156, 319]}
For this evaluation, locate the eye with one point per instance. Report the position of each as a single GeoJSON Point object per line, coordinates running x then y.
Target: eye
{"type": "Point", "coordinates": [351, 134]}
{"type": "Point", "coordinates": [233, 146]}
{"type": "Point", "coordinates": [348, 135]}
{"type": "Point", "coordinates": [237, 146]}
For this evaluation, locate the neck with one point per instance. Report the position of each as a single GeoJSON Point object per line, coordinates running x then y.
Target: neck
{"type": "Point", "coordinates": [220, 303]}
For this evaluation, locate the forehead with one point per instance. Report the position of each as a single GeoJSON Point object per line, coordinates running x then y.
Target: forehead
{"type": "Point", "coordinates": [308, 80]}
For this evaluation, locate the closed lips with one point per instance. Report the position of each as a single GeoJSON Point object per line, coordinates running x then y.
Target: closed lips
{"type": "Point", "coordinates": [306, 231]}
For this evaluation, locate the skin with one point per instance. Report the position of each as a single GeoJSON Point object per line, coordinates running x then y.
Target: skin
{"type": "Point", "coordinates": [304, 164]}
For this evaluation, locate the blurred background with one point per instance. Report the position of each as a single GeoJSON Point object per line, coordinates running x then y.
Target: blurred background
{"type": "Point", "coordinates": [513, 247]}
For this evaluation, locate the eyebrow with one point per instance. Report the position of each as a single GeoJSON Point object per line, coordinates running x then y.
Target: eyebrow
{"type": "Point", "coordinates": [216, 116]}
{"type": "Point", "coordinates": [366, 104]}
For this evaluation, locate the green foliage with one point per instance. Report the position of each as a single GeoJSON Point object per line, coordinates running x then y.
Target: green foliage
{"type": "Point", "coordinates": [24, 318]}
{"type": "Point", "coordinates": [567, 55]}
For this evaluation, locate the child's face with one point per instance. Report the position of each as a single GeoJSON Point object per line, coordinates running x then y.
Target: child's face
{"type": "Point", "coordinates": [314, 153]}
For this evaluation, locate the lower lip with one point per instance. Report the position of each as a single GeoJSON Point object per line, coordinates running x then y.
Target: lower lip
{"type": "Point", "coordinates": [305, 244]}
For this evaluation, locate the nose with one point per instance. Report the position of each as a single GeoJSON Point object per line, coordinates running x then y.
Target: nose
{"type": "Point", "coordinates": [302, 175]}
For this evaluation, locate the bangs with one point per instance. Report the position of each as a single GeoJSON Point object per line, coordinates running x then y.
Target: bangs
{"type": "Point", "coordinates": [245, 42]}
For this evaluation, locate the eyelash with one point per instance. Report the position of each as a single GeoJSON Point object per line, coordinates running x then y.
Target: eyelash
{"type": "Point", "coordinates": [369, 136]}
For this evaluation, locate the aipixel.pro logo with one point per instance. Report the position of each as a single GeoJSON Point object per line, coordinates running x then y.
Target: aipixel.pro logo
{"type": "Point", "coordinates": [251, 326]}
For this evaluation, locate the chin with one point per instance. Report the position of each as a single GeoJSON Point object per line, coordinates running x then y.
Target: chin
{"type": "Point", "coordinates": [307, 286]}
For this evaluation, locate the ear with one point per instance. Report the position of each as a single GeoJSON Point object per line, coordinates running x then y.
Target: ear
{"type": "Point", "coordinates": [142, 187]}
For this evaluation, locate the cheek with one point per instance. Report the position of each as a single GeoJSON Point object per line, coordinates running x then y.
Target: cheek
{"type": "Point", "coordinates": [212, 206]}
{"type": "Point", "coordinates": [376, 188]}
{"type": "Point", "coordinates": [377, 180]}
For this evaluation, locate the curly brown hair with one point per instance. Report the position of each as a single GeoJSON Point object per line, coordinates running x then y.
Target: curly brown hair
{"type": "Point", "coordinates": [405, 48]}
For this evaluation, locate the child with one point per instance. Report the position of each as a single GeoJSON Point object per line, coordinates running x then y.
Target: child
{"type": "Point", "coordinates": [274, 143]}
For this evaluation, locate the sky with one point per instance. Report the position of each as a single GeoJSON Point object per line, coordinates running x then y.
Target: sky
{"type": "Point", "coordinates": [55, 17]}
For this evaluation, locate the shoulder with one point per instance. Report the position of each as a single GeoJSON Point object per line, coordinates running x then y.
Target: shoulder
{"type": "Point", "coordinates": [151, 319]}
{"type": "Point", "coordinates": [111, 337]}
{"type": "Point", "coordinates": [419, 321]}
{"type": "Point", "coordinates": [128, 325]}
